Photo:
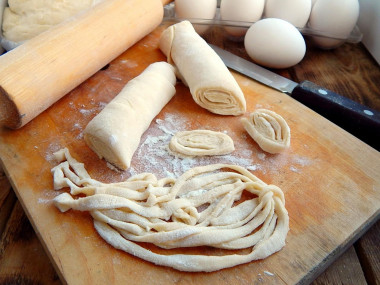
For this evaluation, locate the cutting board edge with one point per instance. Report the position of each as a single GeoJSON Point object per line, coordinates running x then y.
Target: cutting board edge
{"type": "Point", "coordinates": [334, 255]}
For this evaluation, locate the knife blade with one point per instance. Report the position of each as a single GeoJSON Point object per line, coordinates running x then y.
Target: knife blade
{"type": "Point", "coordinates": [357, 119]}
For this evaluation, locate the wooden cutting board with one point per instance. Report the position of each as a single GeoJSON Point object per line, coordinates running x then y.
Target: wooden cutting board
{"type": "Point", "coordinates": [331, 180]}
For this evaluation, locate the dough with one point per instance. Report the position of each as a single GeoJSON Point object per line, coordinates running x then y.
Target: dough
{"type": "Point", "coordinates": [114, 134]}
{"type": "Point", "coordinates": [269, 130]}
{"type": "Point", "coordinates": [201, 142]}
{"type": "Point", "coordinates": [200, 208]}
{"type": "Point", "coordinates": [23, 20]}
{"type": "Point", "coordinates": [211, 84]}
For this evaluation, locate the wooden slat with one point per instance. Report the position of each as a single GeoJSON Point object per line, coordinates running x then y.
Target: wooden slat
{"type": "Point", "coordinates": [368, 248]}
{"type": "Point", "coordinates": [348, 70]}
{"type": "Point", "coordinates": [345, 270]}
{"type": "Point", "coordinates": [7, 200]}
{"type": "Point", "coordinates": [22, 257]}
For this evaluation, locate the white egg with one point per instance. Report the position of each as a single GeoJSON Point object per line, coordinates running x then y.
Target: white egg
{"type": "Point", "coordinates": [196, 9]}
{"type": "Point", "coordinates": [275, 43]}
{"type": "Point", "coordinates": [295, 12]}
{"type": "Point", "coordinates": [241, 10]}
{"type": "Point", "coordinates": [335, 18]}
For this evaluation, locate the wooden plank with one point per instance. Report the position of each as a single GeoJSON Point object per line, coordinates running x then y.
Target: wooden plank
{"type": "Point", "coordinates": [369, 253]}
{"type": "Point", "coordinates": [328, 176]}
{"type": "Point", "coordinates": [22, 257]}
{"type": "Point", "coordinates": [7, 200]}
{"type": "Point", "coordinates": [345, 270]}
{"type": "Point", "coordinates": [359, 72]}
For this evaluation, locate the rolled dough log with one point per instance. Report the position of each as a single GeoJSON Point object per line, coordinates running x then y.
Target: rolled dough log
{"type": "Point", "coordinates": [211, 84]}
{"type": "Point", "coordinates": [269, 130]}
{"type": "Point", "coordinates": [201, 142]}
{"type": "Point", "coordinates": [115, 133]}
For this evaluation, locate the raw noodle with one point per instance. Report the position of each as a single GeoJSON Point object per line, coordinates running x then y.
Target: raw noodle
{"type": "Point", "coordinates": [203, 207]}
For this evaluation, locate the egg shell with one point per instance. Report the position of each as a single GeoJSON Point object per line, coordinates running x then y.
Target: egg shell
{"type": "Point", "coordinates": [335, 18]}
{"type": "Point", "coordinates": [196, 9]}
{"type": "Point", "coordinates": [274, 43]}
{"type": "Point", "coordinates": [241, 10]}
{"type": "Point", "coordinates": [296, 12]}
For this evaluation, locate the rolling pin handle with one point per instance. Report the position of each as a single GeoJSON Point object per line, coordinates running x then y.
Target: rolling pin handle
{"type": "Point", "coordinates": [9, 115]}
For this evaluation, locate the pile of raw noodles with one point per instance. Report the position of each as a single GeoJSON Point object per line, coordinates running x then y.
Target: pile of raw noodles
{"type": "Point", "coordinates": [220, 206]}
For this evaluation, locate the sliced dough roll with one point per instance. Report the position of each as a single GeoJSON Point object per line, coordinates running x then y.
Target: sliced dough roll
{"type": "Point", "coordinates": [211, 84]}
{"type": "Point", "coordinates": [201, 142]}
{"type": "Point", "coordinates": [269, 130]}
{"type": "Point", "coordinates": [115, 133]}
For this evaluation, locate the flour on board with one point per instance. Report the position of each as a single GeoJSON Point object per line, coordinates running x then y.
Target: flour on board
{"type": "Point", "coordinates": [129, 63]}
{"type": "Point", "coordinates": [154, 156]}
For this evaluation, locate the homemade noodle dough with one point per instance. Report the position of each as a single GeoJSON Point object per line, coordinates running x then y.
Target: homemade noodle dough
{"type": "Point", "coordinates": [201, 142]}
{"type": "Point", "coordinates": [115, 133]}
{"type": "Point", "coordinates": [197, 209]}
{"type": "Point", "coordinates": [211, 84]}
{"type": "Point", "coordinates": [23, 20]}
{"type": "Point", "coordinates": [269, 130]}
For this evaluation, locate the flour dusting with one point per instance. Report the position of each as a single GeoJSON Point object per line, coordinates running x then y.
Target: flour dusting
{"type": "Point", "coordinates": [87, 112]}
{"type": "Point", "coordinates": [47, 197]}
{"type": "Point", "coordinates": [113, 139]}
{"type": "Point", "coordinates": [52, 148]}
{"type": "Point", "coordinates": [129, 63]}
{"type": "Point", "coordinates": [268, 273]}
{"type": "Point", "coordinates": [294, 169]}
{"type": "Point", "coordinates": [261, 155]}
{"type": "Point", "coordinates": [302, 161]}
{"type": "Point", "coordinates": [153, 154]}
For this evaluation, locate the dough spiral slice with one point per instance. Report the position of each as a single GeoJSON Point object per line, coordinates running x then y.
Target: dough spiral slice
{"type": "Point", "coordinates": [221, 206]}
{"type": "Point", "coordinates": [268, 129]}
{"type": "Point", "coordinates": [211, 84]}
{"type": "Point", "coordinates": [201, 142]}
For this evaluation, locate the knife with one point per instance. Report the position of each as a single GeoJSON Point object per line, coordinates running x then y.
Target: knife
{"type": "Point", "coordinates": [359, 120]}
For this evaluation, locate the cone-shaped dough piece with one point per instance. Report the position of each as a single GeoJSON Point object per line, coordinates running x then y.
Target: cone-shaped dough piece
{"type": "Point", "coordinates": [115, 133]}
{"type": "Point", "coordinates": [211, 84]}
{"type": "Point", "coordinates": [269, 130]}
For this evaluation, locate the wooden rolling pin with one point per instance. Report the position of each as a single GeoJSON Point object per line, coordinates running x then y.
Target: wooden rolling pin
{"type": "Point", "coordinates": [42, 70]}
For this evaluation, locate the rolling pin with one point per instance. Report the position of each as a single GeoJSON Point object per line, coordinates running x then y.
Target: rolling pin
{"type": "Point", "coordinates": [42, 70]}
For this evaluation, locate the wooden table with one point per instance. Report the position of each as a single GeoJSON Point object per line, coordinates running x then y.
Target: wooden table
{"type": "Point", "coordinates": [348, 70]}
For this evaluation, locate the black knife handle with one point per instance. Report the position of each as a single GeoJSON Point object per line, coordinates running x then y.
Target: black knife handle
{"type": "Point", "coordinates": [360, 121]}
